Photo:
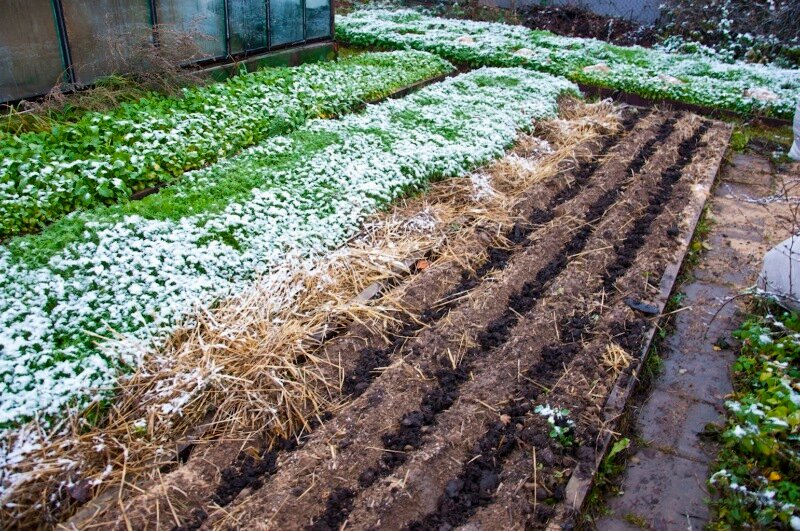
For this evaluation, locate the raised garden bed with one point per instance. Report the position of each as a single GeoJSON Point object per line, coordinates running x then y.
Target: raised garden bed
{"type": "Point", "coordinates": [697, 79]}
{"type": "Point", "coordinates": [138, 268]}
{"type": "Point", "coordinates": [105, 157]}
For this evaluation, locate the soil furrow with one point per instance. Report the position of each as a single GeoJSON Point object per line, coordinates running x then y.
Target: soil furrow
{"type": "Point", "coordinates": [494, 377]}
{"type": "Point", "coordinates": [440, 396]}
{"type": "Point", "coordinates": [218, 479]}
{"type": "Point", "coordinates": [360, 376]}
{"type": "Point", "coordinates": [435, 300]}
{"type": "Point", "coordinates": [475, 484]}
{"type": "Point", "coordinates": [584, 383]}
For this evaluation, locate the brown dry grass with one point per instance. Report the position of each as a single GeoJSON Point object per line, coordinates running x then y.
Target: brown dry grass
{"type": "Point", "coordinates": [250, 368]}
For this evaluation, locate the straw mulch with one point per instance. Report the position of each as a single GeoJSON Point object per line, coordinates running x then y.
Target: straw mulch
{"type": "Point", "coordinates": [250, 367]}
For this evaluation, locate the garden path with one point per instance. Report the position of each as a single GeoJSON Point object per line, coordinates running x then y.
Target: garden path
{"type": "Point", "coordinates": [664, 486]}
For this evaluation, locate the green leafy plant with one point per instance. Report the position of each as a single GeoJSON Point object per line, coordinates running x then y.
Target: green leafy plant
{"type": "Point", "coordinates": [105, 157]}
{"type": "Point", "coordinates": [699, 77]}
{"type": "Point", "coordinates": [140, 267]}
{"type": "Point", "coordinates": [562, 428]}
{"type": "Point", "coordinates": [758, 467]}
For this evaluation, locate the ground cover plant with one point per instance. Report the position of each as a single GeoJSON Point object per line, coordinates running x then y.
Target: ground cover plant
{"type": "Point", "coordinates": [105, 157]}
{"type": "Point", "coordinates": [137, 268]}
{"type": "Point", "coordinates": [255, 359]}
{"type": "Point", "coordinates": [757, 468]}
{"type": "Point", "coordinates": [698, 78]}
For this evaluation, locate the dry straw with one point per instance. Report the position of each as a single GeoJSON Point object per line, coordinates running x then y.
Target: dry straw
{"type": "Point", "coordinates": [251, 368]}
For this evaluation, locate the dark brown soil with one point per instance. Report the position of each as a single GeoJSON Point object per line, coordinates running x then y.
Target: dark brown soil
{"type": "Point", "coordinates": [571, 21]}
{"type": "Point", "coordinates": [574, 21]}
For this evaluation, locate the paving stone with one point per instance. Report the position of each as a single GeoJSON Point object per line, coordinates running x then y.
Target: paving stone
{"type": "Point", "coordinates": [732, 261]}
{"type": "Point", "coordinates": [708, 313]}
{"type": "Point", "coordinates": [728, 211]}
{"type": "Point", "coordinates": [754, 170]}
{"type": "Point", "coordinates": [701, 375]}
{"type": "Point", "coordinates": [663, 489]}
{"type": "Point", "coordinates": [670, 422]}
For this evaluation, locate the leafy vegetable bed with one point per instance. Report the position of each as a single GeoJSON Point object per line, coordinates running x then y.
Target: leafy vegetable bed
{"type": "Point", "coordinates": [105, 157]}
{"type": "Point", "coordinates": [692, 78]}
{"type": "Point", "coordinates": [138, 268]}
{"type": "Point", "coordinates": [757, 476]}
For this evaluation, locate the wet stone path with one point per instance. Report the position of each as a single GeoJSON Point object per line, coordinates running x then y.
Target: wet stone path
{"type": "Point", "coordinates": [664, 486]}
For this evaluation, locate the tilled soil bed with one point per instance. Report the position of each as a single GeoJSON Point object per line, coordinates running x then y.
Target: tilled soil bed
{"type": "Point", "coordinates": [479, 406]}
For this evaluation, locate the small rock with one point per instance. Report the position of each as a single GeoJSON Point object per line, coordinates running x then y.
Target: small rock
{"type": "Point", "coordinates": [80, 491]}
{"type": "Point", "coordinates": [488, 484]}
{"type": "Point", "coordinates": [454, 487]}
{"type": "Point", "coordinates": [640, 306]}
{"type": "Point", "coordinates": [761, 94]}
{"type": "Point", "coordinates": [465, 39]}
{"type": "Point", "coordinates": [525, 52]}
{"type": "Point", "coordinates": [670, 80]}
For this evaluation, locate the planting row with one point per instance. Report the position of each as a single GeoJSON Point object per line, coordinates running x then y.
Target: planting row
{"type": "Point", "coordinates": [105, 157]}
{"type": "Point", "coordinates": [757, 468]}
{"type": "Point", "coordinates": [138, 268]}
{"type": "Point", "coordinates": [692, 78]}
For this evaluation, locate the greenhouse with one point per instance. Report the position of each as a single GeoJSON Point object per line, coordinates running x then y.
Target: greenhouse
{"type": "Point", "coordinates": [44, 42]}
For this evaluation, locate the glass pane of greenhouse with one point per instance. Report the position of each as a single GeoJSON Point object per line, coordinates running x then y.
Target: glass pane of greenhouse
{"type": "Point", "coordinates": [285, 21]}
{"type": "Point", "coordinates": [318, 19]}
{"type": "Point", "coordinates": [30, 57]}
{"type": "Point", "coordinates": [105, 35]}
{"type": "Point", "coordinates": [194, 27]}
{"type": "Point", "coordinates": [247, 22]}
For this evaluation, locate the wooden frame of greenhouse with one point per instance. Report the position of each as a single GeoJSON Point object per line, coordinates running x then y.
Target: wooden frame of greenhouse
{"type": "Point", "coordinates": [47, 42]}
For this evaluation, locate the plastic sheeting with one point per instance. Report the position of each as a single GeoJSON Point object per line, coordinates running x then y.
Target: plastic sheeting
{"type": "Point", "coordinates": [106, 36]}
{"type": "Point", "coordinates": [795, 151]}
{"type": "Point", "coordinates": [780, 273]}
{"type": "Point", "coordinates": [30, 52]}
